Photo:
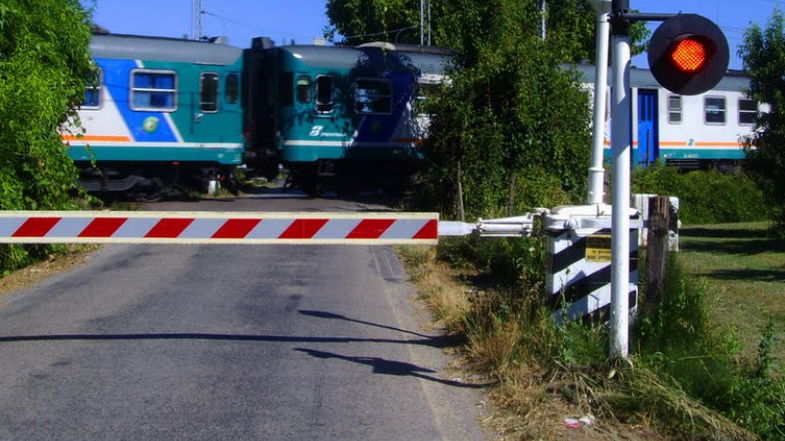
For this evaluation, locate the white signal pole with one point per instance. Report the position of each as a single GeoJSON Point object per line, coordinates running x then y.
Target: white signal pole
{"type": "Point", "coordinates": [596, 170]}
{"type": "Point", "coordinates": [620, 221]}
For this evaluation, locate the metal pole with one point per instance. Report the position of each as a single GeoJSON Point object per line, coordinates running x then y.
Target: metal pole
{"type": "Point", "coordinates": [620, 222]}
{"type": "Point", "coordinates": [422, 22]}
{"type": "Point", "coordinates": [596, 170]}
{"type": "Point", "coordinates": [543, 7]}
{"type": "Point", "coordinates": [196, 19]}
{"type": "Point", "coordinates": [430, 31]}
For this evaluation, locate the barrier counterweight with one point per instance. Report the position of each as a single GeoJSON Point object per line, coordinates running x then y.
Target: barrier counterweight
{"type": "Point", "coordinates": [579, 274]}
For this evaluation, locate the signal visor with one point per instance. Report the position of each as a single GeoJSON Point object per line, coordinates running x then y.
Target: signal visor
{"type": "Point", "coordinates": [688, 54]}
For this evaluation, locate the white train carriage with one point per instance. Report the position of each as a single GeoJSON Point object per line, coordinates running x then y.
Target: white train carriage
{"type": "Point", "coordinates": [699, 131]}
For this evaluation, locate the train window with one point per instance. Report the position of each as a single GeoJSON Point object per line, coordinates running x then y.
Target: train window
{"type": "Point", "coordinates": [674, 109]}
{"type": "Point", "coordinates": [285, 92]}
{"type": "Point", "coordinates": [92, 98]}
{"type": "Point", "coordinates": [748, 111]}
{"type": "Point", "coordinates": [153, 90]}
{"type": "Point", "coordinates": [714, 109]}
{"type": "Point", "coordinates": [324, 94]}
{"type": "Point", "coordinates": [209, 92]}
{"type": "Point", "coordinates": [232, 91]}
{"type": "Point", "coordinates": [304, 89]}
{"type": "Point", "coordinates": [373, 96]}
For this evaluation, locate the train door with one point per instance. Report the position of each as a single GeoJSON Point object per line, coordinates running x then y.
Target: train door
{"type": "Point", "coordinates": [215, 107]}
{"type": "Point", "coordinates": [648, 127]}
{"type": "Point", "coordinates": [315, 107]}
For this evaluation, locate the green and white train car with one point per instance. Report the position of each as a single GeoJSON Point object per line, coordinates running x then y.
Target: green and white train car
{"type": "Point", "coordinates": [163, 111]}
{"type": "Point", "coordinates": [341, 117]}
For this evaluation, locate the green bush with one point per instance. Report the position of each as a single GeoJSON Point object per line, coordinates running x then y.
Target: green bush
{"type": "Point", "coordinates": [679, 342]}
{"type": "Point", "coordinates": [706, 197]}
{"type": "Point", "coordinates": [44, 68]}
{"type": "Point", "coordinates": [763, 52]}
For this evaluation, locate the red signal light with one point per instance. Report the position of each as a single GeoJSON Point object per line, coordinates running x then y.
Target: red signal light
{"type": "Point", "coordinates": [689, 55]}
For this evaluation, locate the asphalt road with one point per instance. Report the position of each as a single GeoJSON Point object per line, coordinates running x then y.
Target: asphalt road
{"type": "Point", "coordinates": [229, 343]}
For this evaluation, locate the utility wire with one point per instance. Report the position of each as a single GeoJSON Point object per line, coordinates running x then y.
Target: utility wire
{"type": "Point", "coordinates": [346, 37]}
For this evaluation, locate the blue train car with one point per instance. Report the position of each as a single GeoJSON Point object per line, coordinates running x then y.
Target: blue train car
{"type": "Point", "coordinates": [340, 117]}
{"type": "Point", "coordinates": [163, 111]}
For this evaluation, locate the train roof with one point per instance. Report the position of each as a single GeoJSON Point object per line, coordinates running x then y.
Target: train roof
{"type": "Point", "coordinates": [734, 80]}
{"type": "Point", "coordinates": [405, 58]}
{"type": "Point", "coordinates": [137, 47]}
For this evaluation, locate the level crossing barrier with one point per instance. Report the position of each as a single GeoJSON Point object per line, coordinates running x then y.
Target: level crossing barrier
{"type": "Point", "coordinates": [578, 270]}
{"type": "Point", "coordinates": [218, 228]}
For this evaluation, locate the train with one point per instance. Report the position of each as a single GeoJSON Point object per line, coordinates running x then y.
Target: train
{"type": "Point", "coordinates": [689, 132]}
{"type": "Point", "coordinates": [342, 117]}
{"type": "Point", "coordinates": [167, 111]}
{"type": "Point", "coordinates": [162, 111]}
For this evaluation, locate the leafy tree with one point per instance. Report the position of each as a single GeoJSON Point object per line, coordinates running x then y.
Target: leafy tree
{"type": "Point", "coordinates": [763, 53]}
{"type": "Point", "coordinates": [572, 22]}
{"type": "Point", "coordinates": [373, 20]}
{"type": "Point", "coordinates": [512, 125]}
{"type": "Point", "coordinates": [44, 65]}
{"type": "Point", "coordinates": [510, 130]}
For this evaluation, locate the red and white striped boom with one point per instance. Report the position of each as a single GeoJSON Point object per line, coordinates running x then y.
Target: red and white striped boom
{"type": "Point", "coordinates": [218, 228]}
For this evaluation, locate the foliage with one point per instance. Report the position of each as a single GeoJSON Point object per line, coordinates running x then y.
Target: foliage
{"type": "Point", "coordinates": [511, 262]}
{"type": "Point", "coordinates": [705, 196]}
{"type": "Point", "coordinates": [571, 22]}
{"type": "Point", "coordinates": [44, 65]}
{"type": "Point", "coordinates": [679, 342]}
{"type": "Point", "coordinates": [763, 53]}
{"type": "Point", "coordinates": [372, 20]}
{"type": "Point", "coordinates": [511, 124]}
{"type": "Point", "coordinates": [687, 376]}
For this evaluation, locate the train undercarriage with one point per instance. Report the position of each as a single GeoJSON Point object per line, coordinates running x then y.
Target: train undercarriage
{"type": "Point", "coordinates": [349, 177]}
{"type": "Point", "coordinates": [155, 178]}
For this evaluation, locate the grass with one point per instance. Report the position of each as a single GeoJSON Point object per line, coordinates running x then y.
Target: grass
{"type": "Point", "coordinates": [745, 271]}
{"type": "Point", "coordinates": [704, 365]}
{"type": "Point", "coordinates": [512, 342]}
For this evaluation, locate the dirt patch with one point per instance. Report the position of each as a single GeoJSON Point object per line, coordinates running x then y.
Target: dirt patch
{"type": "Point", "coordinates": [30, 276]}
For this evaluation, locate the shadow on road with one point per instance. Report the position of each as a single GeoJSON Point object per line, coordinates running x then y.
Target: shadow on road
{"type": "Point", "coordinates": [436, 342]}
{"type": "Point", "coordinates": [380, 365]}
{"type": "Point", "coordinates": [391, 367]}
{"type": "Point", "coordinates": [331, 316]}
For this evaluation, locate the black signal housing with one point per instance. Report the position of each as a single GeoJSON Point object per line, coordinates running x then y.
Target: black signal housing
{"type": "Point", "coordinates": [702, 54]}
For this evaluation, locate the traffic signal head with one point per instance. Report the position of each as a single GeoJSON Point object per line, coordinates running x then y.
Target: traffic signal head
{"type": "Point", "coordinates": [688, 54]}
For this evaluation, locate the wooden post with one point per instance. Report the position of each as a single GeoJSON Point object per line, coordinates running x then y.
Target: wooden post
{"type": "Point", "coordinates": [511, 203]}
{"type": "Point", "coordinates": [657, 250]}
{"type": "Point", "coordinates": [459, 178]}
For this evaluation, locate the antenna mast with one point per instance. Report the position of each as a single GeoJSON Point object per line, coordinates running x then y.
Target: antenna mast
{"type": "Point", "coordinates": [196, 19]}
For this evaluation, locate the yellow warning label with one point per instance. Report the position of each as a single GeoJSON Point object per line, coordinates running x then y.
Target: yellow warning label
{"type": "Point", "coordinates": [598, 248]}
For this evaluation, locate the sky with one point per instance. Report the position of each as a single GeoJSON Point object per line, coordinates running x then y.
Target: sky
{"type": "Point", "coordinates": [304, 20]}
